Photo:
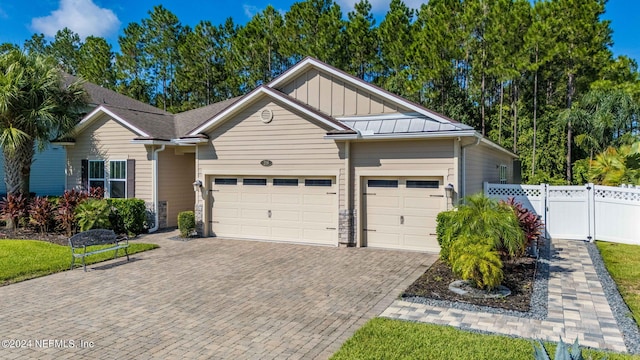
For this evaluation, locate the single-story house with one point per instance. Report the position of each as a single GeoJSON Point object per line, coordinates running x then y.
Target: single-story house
{"type": "Point", "coordinates": [315, 156]}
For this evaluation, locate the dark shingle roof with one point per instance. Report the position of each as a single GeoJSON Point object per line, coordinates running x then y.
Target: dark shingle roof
{"type": "Point", "coordinates": [189, 120]}
{"type": "Point", "coordinates": [157, 123]}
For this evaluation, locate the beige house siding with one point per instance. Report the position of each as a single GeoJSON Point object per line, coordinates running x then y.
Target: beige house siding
{"type": "Point", "coordinates": [176, 171]}
{"type": "Point", "coordinates": [294, 145]}
{"type": "Point", "coordinates": [482, 163]}
{"type": "Point", "coordinates": [105, 139]}
{"type": "Point", "coordinates": [335, 97]}
{"type": "Point", "coordinates": [406, 158]}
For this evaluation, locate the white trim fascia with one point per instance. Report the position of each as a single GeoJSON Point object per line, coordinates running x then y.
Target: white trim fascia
{"type": "Point", "coordinates": [269, 92]}
{"type": "Point", "coordinates": [496, 146]}
{"type": "Point", "coordinates": [419, 135]}
{"type": "Point", "coordinates": [401, 115]}
{"type": "Point", "coordinates": [151, 142]}
{"type": "Point", "coordinates": [190, 141]}
{"type": "Point", "coordinates": [92, 115]}
{"type": "Point", "coordinates": [397, 100]}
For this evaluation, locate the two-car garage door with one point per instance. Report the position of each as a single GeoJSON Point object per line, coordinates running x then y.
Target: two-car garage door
{"type": "Point", "coordinates": [295, 209]}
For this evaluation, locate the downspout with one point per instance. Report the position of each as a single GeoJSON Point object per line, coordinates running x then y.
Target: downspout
{"type": "Point", "coordinates": [154, 187]}
{"type": "Point", "coordinates": [463, 188]}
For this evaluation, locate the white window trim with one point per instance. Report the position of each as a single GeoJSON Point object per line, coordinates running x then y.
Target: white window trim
{"type": "Point", "coordinates": [103, 179]}
{"type": "Point", "coordinates": [109, 179]}
{"type": "Point", "coordinates": [503, 174]}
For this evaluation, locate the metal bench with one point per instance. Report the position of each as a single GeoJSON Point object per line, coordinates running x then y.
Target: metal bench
{"type": "Point", "coordinates": [80, 241]}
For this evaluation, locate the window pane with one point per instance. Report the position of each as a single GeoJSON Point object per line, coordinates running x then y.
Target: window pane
{"type": "Point", "coordinates": [317, 182]}
{"type": "Point", "coordinates": [118, 170]}
{"type": "Point", "coordinates": [383, 183]}
{"type": "Point", "coordinates": [96, 169]}
{"type": "Point", "coordinates": [285, 182]}
{"type": "Point", "coordinates": [254, 181]}
{"type": "Point", "coordinates": [117, 189]}
{"type": "Point", "coordinates": [226, 181]}
{"type": "Point", "coordinates": [423, 184]}
{"type": "Point", "coordinates": [96, 184]}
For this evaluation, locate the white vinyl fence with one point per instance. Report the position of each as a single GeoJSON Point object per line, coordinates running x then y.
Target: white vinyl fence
{"type": "Point", "coordinates": [587, 212]}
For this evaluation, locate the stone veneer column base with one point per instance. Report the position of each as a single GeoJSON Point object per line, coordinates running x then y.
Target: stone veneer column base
{"type": "Point", "coordinates": [346, 228]}
{"type": "Point", "coordinates": [197, 211]}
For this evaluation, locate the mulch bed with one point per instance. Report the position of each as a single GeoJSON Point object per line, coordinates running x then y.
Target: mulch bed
{"type": "Point", "coordinates": [28, 234]}
{"type": "Point", "coordinates": [519, 276]}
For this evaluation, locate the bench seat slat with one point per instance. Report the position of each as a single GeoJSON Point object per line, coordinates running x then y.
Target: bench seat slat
{"type": "Point", "coordinates": [80, 241]}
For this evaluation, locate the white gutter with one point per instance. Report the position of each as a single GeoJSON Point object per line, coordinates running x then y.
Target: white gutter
{"type": "Point", "coordinates": [418, 135]}
{"type": "Point", "coordinates": [154, 187]}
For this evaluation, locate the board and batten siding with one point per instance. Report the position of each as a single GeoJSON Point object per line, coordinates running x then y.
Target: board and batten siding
{"type": "Point", "coordinates": [402, 158]}
{"type": "Point", "coordinates": [335, 97]}
{"type": "Point", "coordinates": [482, 164]}
{"type": "Point", "coordinates": [176, 172]}
{"type": "Point", "coordinates": [105, 139]}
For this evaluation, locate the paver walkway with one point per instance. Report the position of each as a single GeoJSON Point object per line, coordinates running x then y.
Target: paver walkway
{"type": "Point", "coordinates": [577, 306]}
{"type": "Point", "coordinates": [206, 298]}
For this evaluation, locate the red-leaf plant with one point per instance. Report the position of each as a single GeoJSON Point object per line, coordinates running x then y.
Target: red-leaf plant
{"type": "Point", "coordinates": [13, 207]}
{"type": "Point", "coordinates": [40, 213]}
{"type": "Point", "coordinates": [66, 208]}
{"type": "Point", "coordinates": [530, 223]}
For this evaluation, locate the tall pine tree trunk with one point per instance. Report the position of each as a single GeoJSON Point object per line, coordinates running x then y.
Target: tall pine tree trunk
{"type": "Point", "coordinates": [500, 117]}
{"type": "Point", "coordinates": [515, 116]}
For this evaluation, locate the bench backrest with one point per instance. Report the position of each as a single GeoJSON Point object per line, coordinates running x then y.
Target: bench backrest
{"type": "Point", "coordinates": [93, 237]}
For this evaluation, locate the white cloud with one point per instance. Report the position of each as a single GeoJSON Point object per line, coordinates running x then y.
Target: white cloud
{"type": "Point", "coordinates": [250, 10]}
{"type": "Point", "coordinates": [81, 16]}
{"type": "Point", "coordinates": [378, 6]}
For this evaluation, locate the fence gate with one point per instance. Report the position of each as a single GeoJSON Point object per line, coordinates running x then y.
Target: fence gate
{"type": "Point", "coordinates": [584, 212]}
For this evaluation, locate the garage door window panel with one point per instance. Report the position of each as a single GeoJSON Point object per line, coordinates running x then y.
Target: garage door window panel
{"type": "Point", "coordinates": [285, 182]}
{"type": "Point", "coordinates": [382, 183]}
{"type": "Point", "coordinates": [226, 181]}
{"type": "Point", "coordinates": [423, 184]}
{"type": "Point", "coordinates": [317, 182]}
{"type": "Point", "coordinates": [255, 182]}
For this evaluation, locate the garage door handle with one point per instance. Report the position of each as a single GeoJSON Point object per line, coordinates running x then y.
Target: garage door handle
{"type": "Point", "coordinates": [401, 219]}
{"type": "Point", "coordinates": [269, 213]}
{"type": "Point", "coordinates": [368, 193]}
{"type": "Point", "coordinates": [330, 228]}
{"type": "Point", "coordinates": [436, 195]}
{"type": "Point", "coordinates": [368, 230]}
{"type": "Point", "coordinates": [331, 193]}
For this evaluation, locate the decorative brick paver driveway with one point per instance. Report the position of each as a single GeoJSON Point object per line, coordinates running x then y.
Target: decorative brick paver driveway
{"type": "Point", "coordinates": [206, 298]}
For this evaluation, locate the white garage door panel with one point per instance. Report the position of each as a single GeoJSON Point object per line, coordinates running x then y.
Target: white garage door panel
{"type": "Point", "coordinates": [402, 216]}
{"type": "Point", "coordinates": [276, 212]}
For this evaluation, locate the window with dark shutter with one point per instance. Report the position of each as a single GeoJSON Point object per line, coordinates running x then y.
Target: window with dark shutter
{"type": "Point", "coordinates": [84, 166]}
{"type": "Point", "coordinates": [131, 178]}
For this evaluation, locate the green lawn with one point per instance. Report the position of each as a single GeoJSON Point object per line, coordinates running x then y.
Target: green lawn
{"type": "Point", "coordinates": [27, 259]}
{"type": "Point", "coordinates": [396, 339]}
{"type": "Point", "coordinates": [623, 263]}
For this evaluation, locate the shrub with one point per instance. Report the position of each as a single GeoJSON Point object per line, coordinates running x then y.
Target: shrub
{"type": "Point", "coordinates": [128, 216]}
{"type": "Point", "coordinates": [186, 223]}
{"type": "Point", "coordinates": [529, 222]}
{"type": "Point", "coordinates": [92, 214]}
{"type": "Point", "coordinates": [13, 208]}
{"type": "Point", "coordinates": [490, 220]}
{"type": "Point", "coordinates": [96, 193]}
{"type": "Point", "coordinates": [40, 213]}
{"type": "Point", "coordinates": [474, 258]}
{"type": "Point", "coordinates": [443, 222]}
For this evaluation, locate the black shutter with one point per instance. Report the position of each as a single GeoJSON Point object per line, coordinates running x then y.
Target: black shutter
{"type": "Point", "coordinates": [131, 178]}
{"type": "Point", "coordinates": [85, 174]}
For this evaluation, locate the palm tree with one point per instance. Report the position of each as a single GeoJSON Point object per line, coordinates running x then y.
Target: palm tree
{"type": "Point", "coordinates": [616, 166]}
{"type": "Point", "coordinates": [35, 107]}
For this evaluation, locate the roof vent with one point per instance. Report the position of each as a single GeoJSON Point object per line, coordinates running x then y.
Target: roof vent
{"type": "Point", "coordinates": [266, 116]}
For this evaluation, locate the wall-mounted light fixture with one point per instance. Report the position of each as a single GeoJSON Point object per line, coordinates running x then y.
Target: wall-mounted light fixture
{"type": "Point", "coordinates": [197, 185]}
{"type": "Point", "coordinates": [449, 192]}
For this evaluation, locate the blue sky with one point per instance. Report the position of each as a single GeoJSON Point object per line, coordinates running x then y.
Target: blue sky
{"type": "Point", "coordinates": [19, 19]}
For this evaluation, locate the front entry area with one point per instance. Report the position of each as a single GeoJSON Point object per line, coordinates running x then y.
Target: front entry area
{"type": "Point", "coordinates": [291, 209]}
{"type": "Point", "coordinates": [400, 212]}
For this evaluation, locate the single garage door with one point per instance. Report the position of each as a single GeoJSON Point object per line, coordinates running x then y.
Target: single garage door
{"type": "Point", "coordinates": [400, 213]}
{"type": "Point", "coordinates": [293, 209]}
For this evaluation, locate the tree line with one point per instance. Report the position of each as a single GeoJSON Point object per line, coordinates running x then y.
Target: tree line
{"type": "Point", "coordinates": [539, 79]}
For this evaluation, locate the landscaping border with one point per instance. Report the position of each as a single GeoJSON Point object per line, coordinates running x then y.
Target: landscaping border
{"type": "Point", "coordinates": [539, 294]}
